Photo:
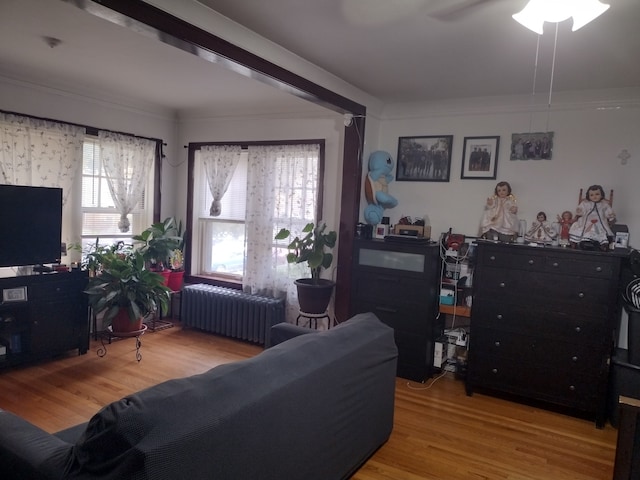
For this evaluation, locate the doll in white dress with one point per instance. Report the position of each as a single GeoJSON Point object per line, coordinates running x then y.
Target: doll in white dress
{"type": "Point", "coordinates": [500, 220]}
{"type": "Point", "coordinates": [593, 218]}
{"type": "Point", "coordinates": [541, 231]}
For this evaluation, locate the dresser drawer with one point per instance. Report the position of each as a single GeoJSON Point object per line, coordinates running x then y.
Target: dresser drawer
{"type": "Point", "coordinates": [394, 290]}
{"type": "Point", "coordinates": [542, 321]}
{"type": "Point", "coordinates": [581, 294]}
{"type": "Point", "coordinates": [555, 354]}
{"type": "Point", "coordinates": [398, 317]}
{"type": "Point", "coordinates": [547, 260]}
{"type": "Point", "coordinates": [561, 387]}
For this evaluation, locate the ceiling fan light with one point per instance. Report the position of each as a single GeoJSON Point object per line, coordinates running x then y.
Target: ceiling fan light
{"type": "Point", "coordinates": [536, 12]}
{"type": "Point", "coordinates": [589, 11]}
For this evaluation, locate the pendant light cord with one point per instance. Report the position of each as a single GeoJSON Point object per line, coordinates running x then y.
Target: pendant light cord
{"type": "Point", "coordinates": [553, 68]}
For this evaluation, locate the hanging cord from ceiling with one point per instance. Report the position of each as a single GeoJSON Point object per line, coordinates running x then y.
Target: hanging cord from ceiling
{"type": "Point", "coordinates": [533, 90]}
{"type": "Point", "coordinates": [553, 68]}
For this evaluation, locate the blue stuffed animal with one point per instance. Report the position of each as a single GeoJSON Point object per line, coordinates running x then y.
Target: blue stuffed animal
{"type": "Point", "coordinates": [376, 187]}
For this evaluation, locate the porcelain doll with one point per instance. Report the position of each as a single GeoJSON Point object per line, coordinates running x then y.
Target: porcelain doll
{"type": "Point", "coordinates": [500, 220]}
{"type": "Point", "coordinates": [593, 218]}
{"type": "Point", "coordinates": [541, 231]}
{"type": "Point", "coordinates": [565, 221]}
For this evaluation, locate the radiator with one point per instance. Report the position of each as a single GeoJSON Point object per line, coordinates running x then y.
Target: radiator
{"type": "Point", "coordinates": [230, 312]}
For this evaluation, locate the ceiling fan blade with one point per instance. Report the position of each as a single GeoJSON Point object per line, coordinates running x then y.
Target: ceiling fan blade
{"type": "Point", "coordinates": [453, 10]}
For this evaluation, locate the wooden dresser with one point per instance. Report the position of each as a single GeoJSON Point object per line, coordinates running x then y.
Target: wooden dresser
{"type": "Point", "coordinates": [542, 324]}
{"type": "Point", "coordinates": [399, 282]}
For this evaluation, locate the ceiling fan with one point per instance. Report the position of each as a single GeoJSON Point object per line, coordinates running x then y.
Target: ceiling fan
{"type": "Point", "coordinates": [453, 9]}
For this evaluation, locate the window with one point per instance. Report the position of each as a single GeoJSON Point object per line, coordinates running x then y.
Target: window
{"type": "Point", "coordinates": [99, 214]}
{"type": "Point", "coordinates": [220, 246]}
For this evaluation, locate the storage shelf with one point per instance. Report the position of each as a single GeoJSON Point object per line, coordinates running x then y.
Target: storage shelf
{"type": "Point", "coordinates": [458, 310]}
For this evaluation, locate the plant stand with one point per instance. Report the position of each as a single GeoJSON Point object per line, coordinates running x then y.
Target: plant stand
{"type": "Point", "coordinates": [314, 317]}
{"type": "Point", "coordinates": [109, 334]}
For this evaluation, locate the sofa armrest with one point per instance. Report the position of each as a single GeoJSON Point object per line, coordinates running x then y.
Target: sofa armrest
{"type": "Point", "coordinates": [281, 332]}
{"type": "Point", "coordinates": [27, 451]}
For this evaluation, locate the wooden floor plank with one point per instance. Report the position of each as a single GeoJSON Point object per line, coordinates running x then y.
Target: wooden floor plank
{"type": "Point", "coordinates": [439, 431]}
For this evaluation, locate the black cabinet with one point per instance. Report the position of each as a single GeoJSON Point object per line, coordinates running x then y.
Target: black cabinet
{"type": "Point", "coordinates": [542, 324]}
{"type": "Point", "coordinates": [42, 316]}
{"type": "Point", "coordinates": [399, 282]}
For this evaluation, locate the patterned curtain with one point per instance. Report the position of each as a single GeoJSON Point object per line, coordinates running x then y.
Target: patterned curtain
{"type": "Point", "coordinates": [274, 201]}
{"type": "Point", "coordinates": [40, 153]}
{"type": "Point", "coordinates": [219, 163]}
{"type": "Point", "coordinates": [126, 160]}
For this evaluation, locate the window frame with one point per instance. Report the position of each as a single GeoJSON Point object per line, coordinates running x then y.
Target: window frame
{"type": "Point", "coordinates": [217, 278]}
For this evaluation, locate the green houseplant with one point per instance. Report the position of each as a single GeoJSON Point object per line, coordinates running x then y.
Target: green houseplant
{"type": "Point", "coordinates": [314, 293]}
{"type": "Point", "coordinates": [125, 290]}
{"type": "Point", "coordinates": [159, 241]}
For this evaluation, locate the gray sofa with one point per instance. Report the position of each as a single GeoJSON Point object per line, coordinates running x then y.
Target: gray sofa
{"type": "Point", "coordinates": [312, 407]}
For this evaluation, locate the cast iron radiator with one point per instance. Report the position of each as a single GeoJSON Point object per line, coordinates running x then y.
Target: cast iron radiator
{"type": "Point", "coordinates": [230, 312]}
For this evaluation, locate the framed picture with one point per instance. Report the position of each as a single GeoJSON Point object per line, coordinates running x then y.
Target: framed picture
{"type": "Point", "coordinates": [424, 159]}
{"type": "Point", "coordinates": [532, 146]}
{"type": "Point", "coordinates": [18, 294]}
{"type": "Point", "coordinates": [480, 157]}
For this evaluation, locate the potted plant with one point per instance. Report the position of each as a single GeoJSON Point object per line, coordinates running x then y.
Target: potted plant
{"type": "Point", "coordinates": [158, 243]}
{"type": "Point", "coordinates": [125, 290]}
{"type": "Point", "coordinates": [314, 293]}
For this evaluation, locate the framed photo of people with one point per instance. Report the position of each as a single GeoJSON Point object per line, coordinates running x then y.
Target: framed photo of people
{"type": "Point", "coordinates": [424, 159]}
{"type": "Point", "coordinates": [532, 146]}
{"type": "Point", "coordinates": [480, 158]}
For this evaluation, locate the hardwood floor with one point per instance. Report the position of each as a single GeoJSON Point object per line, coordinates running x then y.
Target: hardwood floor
{"type": "Point", "coordinates": [439, 432]}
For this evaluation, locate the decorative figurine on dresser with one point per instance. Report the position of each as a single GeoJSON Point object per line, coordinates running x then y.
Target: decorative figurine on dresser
{"type": "Point", "coordinates": [541, 231]}
{"type": "Point", "coordinates": [399, 281]}
{"type": "Point", "coordinates": [565, 221]}
{"type": "Point", "coordinates": [594, 217]}
{"type": "Point", "coordinates": [543, 322]}
{"type": "Point", "coordinates": [499, 220]}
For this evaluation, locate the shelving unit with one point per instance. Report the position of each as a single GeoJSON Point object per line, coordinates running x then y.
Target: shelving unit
{"type": "Point", "coordinates": [42, 316]}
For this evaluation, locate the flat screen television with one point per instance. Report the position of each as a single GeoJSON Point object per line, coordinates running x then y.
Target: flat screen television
{"type": "Point", "coordinates": [31, 223]}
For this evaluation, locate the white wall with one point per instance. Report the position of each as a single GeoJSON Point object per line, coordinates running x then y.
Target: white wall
{"type": "Point", "coordinates": [590, 131]}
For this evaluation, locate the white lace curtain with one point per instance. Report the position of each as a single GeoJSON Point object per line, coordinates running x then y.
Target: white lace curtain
{"type": "Point", "coordinates": [40, 153]}
{"type": "Point", "coordinates": [219, 163]}
{"type": "Point", "coordinates": [274, 201]}
{"type": "Point", "coordinates": [127, 161]}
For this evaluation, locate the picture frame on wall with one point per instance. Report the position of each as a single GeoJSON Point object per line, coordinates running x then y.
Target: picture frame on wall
{"type": "Point", "coordinates": [424, 159]}
{"type": "Point", "coordinates": [532, 146]}
{"type": "Point", "coordinates": [480, 158]}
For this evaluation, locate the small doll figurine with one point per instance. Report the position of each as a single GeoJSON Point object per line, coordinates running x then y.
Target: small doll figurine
{"type": "Point", "coordinates": [541, 231]}
{"type": "Point", "coordinates": [499, 220]}
{"type": "Point", "coordinates": [565, 221]}
{"type": "Point", "coordinates": [593, 218]}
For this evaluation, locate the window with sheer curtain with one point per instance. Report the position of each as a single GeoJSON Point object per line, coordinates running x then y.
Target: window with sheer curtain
{"type": "Point", "coordinates": [100, 216]}
{"type": "Point", "coordinates": [272, 186]}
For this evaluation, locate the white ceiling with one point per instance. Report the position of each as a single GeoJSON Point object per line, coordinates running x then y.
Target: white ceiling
{"type": "Point", "coordinates": [410, 50]}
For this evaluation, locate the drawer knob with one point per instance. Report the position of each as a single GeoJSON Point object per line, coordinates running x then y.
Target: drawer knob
{"type": "Point", "coordinates": [598, 269]}
{"type": "Point", "coordinates": [497, 343]}
{"type": "Point", "coordinates": [492, 257]}
{"type": "Point", "coordinates": [554, 264]}
{"type": "Point", "coordinates": [572, 388]}
{"type": "Point", "coordinates": [502, 285]}
{"type": "Point", "coordinates": [581, 295]}
{"type": "Point", "coordinates": [494, 370]}
{"type": "Point", "coordinates": [531, 262]}
{"type": "Point", "coordinates": [499, 316]}
{"type": "Point", "coordinates": [574, 358]}
{"type": "Point", "coordinates": [578, 329]}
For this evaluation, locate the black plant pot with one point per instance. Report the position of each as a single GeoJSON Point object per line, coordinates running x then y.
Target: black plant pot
{"type": "Point", "coordinates": [314, 295]}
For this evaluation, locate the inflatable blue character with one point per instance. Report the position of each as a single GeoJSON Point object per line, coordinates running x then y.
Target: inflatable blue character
{"type": "Point", "coordinates": [376, 187]}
